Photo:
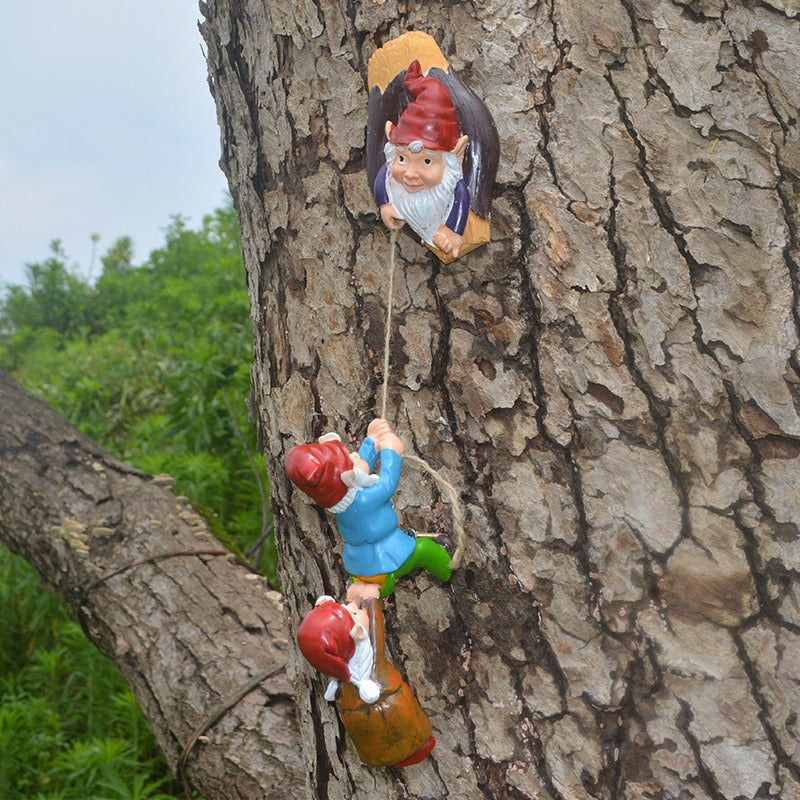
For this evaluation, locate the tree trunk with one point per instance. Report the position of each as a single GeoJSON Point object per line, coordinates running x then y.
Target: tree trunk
{"type": "Point", "coordinates": [187, 631]}
{"type": "Point", "coordinates": [612, 383]}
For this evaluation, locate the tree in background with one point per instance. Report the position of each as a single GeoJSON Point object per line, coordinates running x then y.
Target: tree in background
{"type": "Point", "coordinates": [152, 362]}
{"type": "Point", "coordinates": [54, 302]}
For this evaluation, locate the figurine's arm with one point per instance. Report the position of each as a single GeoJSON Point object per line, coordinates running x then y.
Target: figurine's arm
{"type": "Point", "coordinates": [359, 592]}
{"type": "Point", "coordinates": [369, 452]}
{"type": "Point", "coordinates": [389, 217]}
{"type": "Point", "coordinates": [450, 236]}
{"type": "Point", "coordinates": [380, 431]}
{"type": "Point", "coordinates": [391, 464]}
{"type": "Point", "coordinates": [384, 440]}
{"type": "Point", "coordinates": [381, 195]}
{"type": "Point", "coordinates": [457, 218]}
{"type": "Point", "coordinates": [378, 637]}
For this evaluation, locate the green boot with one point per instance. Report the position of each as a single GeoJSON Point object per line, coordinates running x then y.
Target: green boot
{"type": "Point", "coordinates": [428, 555]}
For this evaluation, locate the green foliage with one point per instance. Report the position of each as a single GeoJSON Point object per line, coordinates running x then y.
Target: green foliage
{"type": "Point", "coordinates": [147, 361]}
{"type": "Point", "coordinates": [69, 726]}
{"type": "Point", "coordinates": [54, 299]}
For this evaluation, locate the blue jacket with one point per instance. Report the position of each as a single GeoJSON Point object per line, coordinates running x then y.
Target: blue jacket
{"type": "Point", "coordinates": [374, 545]}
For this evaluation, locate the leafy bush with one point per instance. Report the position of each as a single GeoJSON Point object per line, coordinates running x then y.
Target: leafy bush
{"type": "Point", "coordinates": [69, 726]}
{"type": "Point", "coordinates": [153, 363]}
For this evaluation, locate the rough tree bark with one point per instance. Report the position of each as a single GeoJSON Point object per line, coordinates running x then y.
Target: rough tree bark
{"type": "Point", "coordinates": [187, 632]}
{"type": "Point", "coordinates": [613, 383]}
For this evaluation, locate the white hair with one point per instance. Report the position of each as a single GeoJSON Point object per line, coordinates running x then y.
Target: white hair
{"type": "Point", "coordinates": [426, 209]}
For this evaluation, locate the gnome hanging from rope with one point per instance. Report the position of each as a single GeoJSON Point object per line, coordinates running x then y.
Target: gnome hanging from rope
{"type": "Point", "coordinates": [376, 550]}
{"type": "Point", "coordinates": [377, 707]}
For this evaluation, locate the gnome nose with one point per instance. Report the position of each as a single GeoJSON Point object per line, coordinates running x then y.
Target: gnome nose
{"type": "Point", "coordinates": [411, 172]}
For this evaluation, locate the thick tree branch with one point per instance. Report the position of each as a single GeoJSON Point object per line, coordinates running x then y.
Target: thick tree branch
{"type": "Point", "coordinates": [186, 632]}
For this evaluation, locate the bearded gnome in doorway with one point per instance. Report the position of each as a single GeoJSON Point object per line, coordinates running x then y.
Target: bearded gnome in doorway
{"type": "Point", "coordinates": [421, 182]}
{"type": "Point", "coordinates": [432, 147]}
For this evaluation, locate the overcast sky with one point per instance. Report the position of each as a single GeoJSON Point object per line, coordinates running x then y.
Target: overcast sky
{"type": "Point", "coordinates": [107, 127]}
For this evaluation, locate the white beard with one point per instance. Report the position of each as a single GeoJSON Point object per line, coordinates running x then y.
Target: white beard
{"type": "Point", "coordinates": [426, 209]}
{"type": "Point", "coordinates": [362, 661]}
{"type": "Point", "coordinates": [361, 479]}
{"type": "Point", "coordinates": [361, 666]}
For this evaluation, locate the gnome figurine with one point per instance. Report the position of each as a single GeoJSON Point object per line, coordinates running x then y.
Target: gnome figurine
{"type": "Point", "coordinates": [432, 147]}
{"type": "Point", "coordinates": [421, 182]}
{"type": "Point", "coordinates": [376, 550]}
{"type": "Point", "coordinates": [377, 707]}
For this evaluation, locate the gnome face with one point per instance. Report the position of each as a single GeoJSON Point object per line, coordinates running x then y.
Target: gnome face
{"type": "Point", "coordinates": [361, 619]}
{"type": "Point", "coordinates": [421, 193]}
{"type": "Point", "coordinates": [325, 638]}
{"type": "Point", "coordinates": [426, 130]}
{"type": "Point", "coordinates": [416, 171]}
{"type": "Point", "coordinates": [335, 640]}
{"type": "Point", "coordinates": [358, 462]}
{"type": "Point", "coordinates": [424, 154]}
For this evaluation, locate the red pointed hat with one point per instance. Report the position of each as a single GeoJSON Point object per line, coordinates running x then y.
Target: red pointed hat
{"type": "Point", "coordinates": [325, 640]}
{"type": "Point", "coordinates": [430, 118]}
{"type": "Point", "coordinates": [316, 469]}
